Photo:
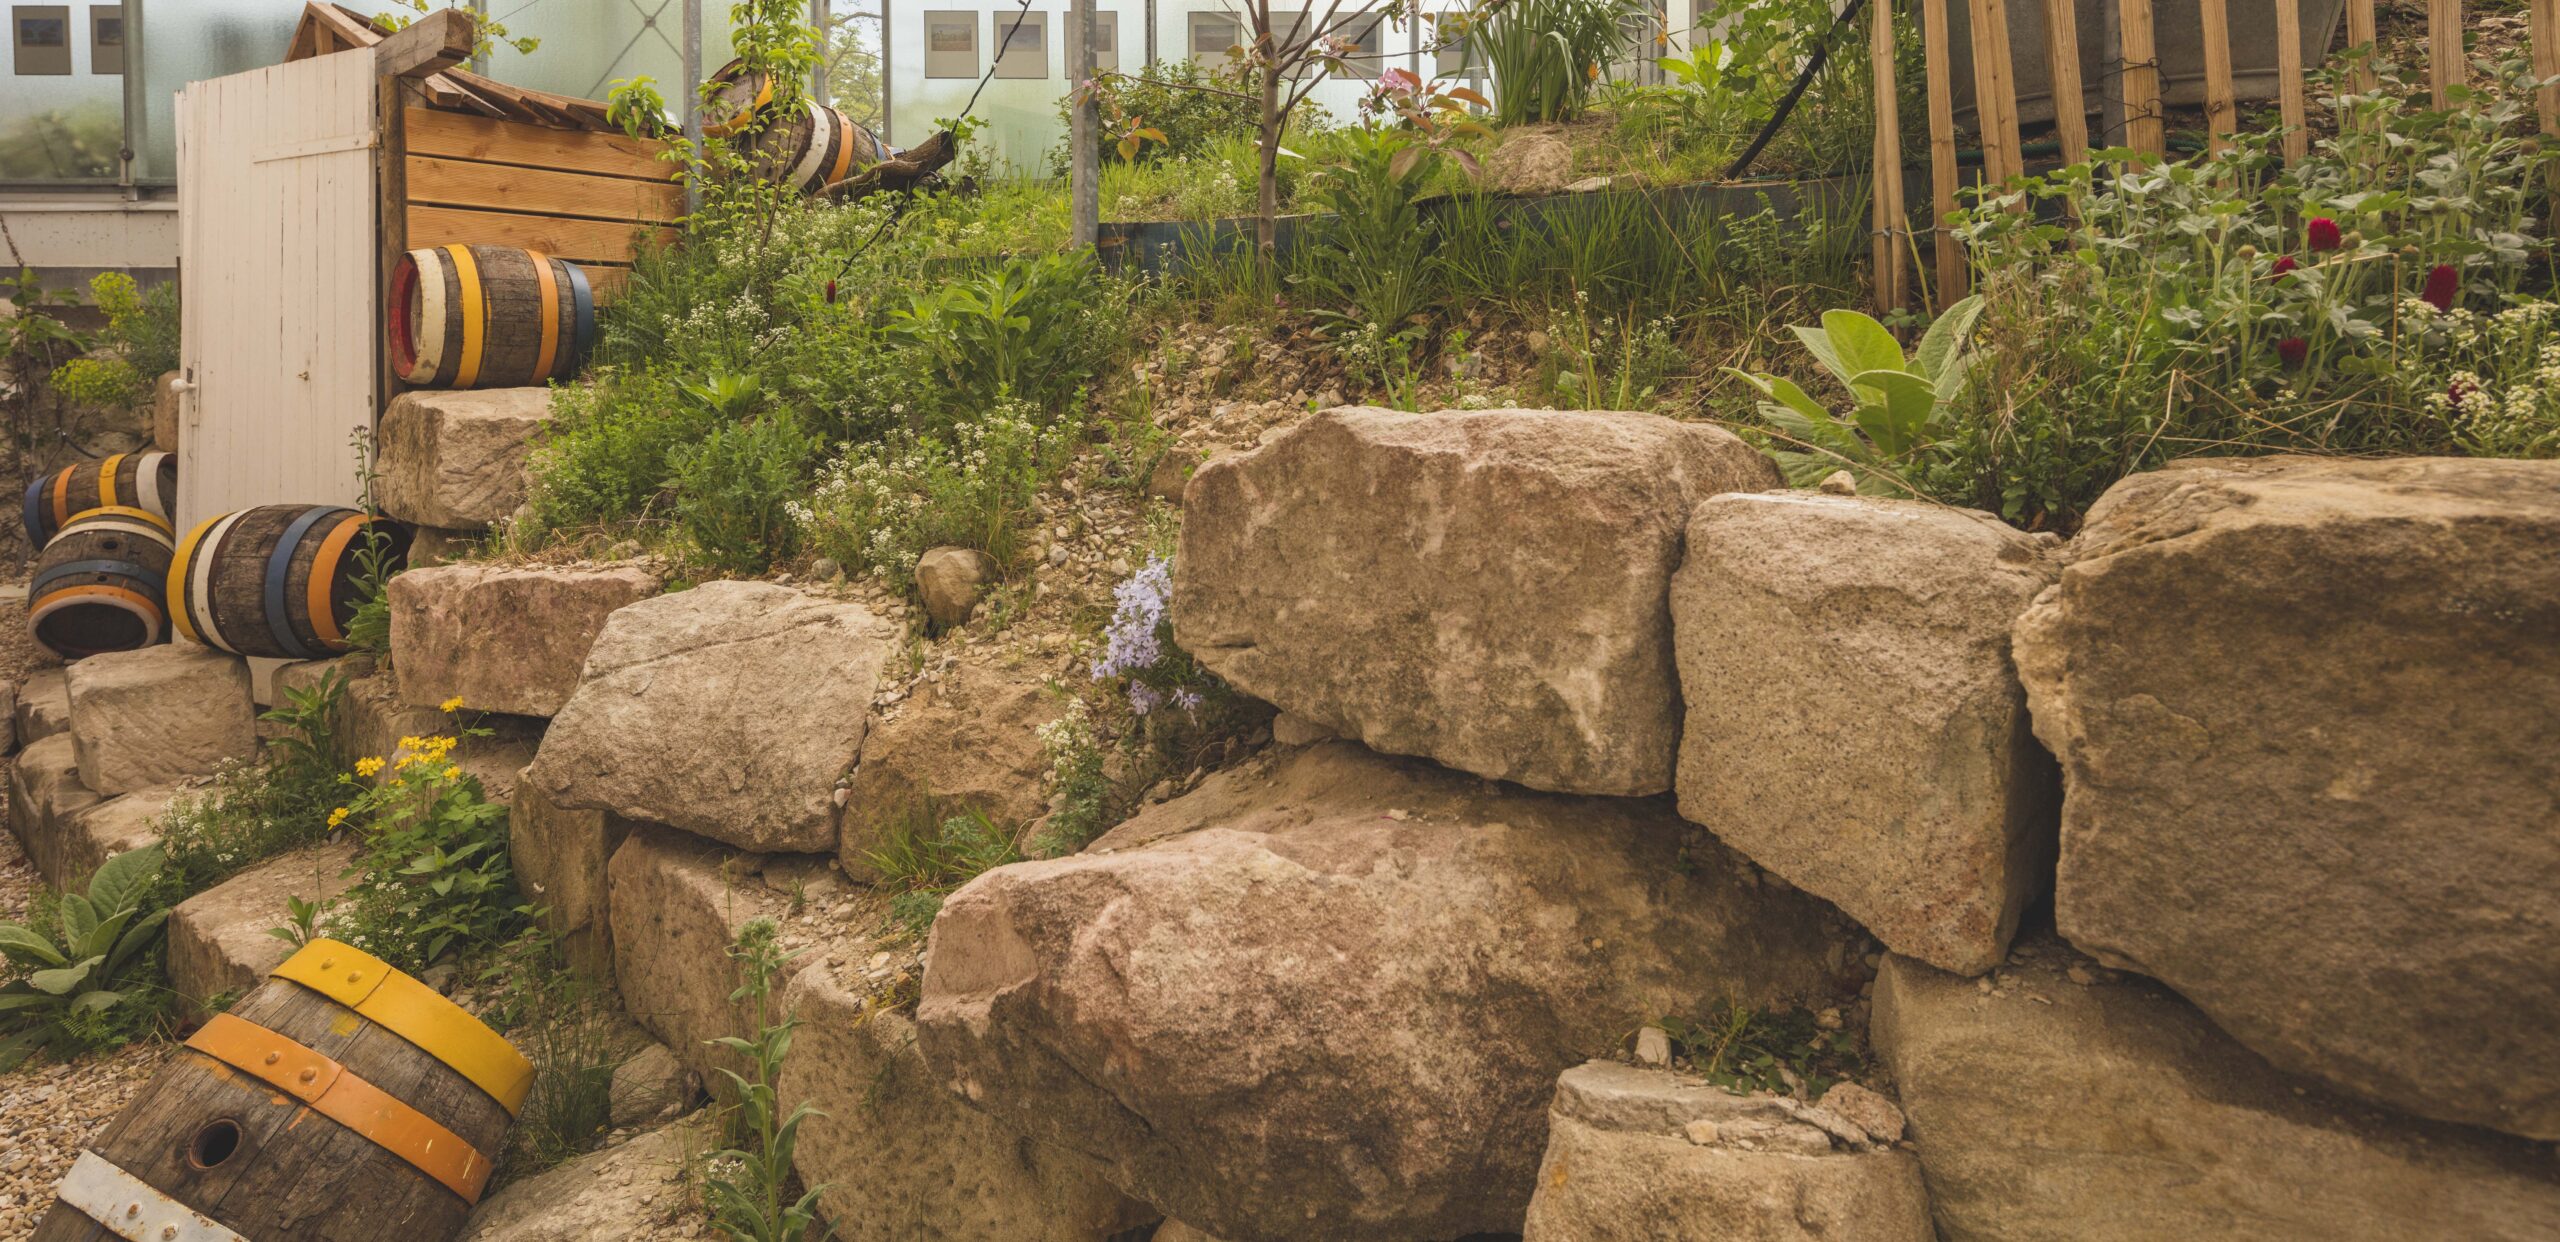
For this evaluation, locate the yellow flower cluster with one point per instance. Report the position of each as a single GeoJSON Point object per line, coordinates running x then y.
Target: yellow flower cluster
{"type": "Point", "coordinates": [453, 704]}
{"type": "Point", "coordinates": [426, 752]}
{"type": "Point", "coordinates": [337, 817]}
{"type": "Point", "coordinates": [368, 765]}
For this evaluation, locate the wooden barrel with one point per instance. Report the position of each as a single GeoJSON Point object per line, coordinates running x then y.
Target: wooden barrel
{"type": "Point", "coordinates": [99, 584]}
{"type": "Point", "coordinates": [733, 98]}
{"type": "Point", "coordinates": [488, 317]}
{"type": "Point", "coordinates": [277, 580]}
{"type": "Point", "coordinates": [342, 1101]}
{"type": "Point", "coordinates": [145, 481]}
{"type": "Point", "coordinates": [814, 148]}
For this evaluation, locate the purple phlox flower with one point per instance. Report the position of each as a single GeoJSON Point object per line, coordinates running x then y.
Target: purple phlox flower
{"type": "Point", "coordinates": [1143, 698]}
{"type": "Point", "coordinates": [1133, 640]}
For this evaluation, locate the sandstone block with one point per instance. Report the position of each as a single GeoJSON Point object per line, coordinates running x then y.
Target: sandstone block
{"type": "Point", "coordinates": [1649, 1155]}
{"type": "Point", "coordinates": [89, 837]}
{"type": "Point", "coordinates": [44, 794]}
{"type": "Point", "coordinates": [9, 712]}
{"type": "Point", "coordinates": [159, 714]}
{"type": "Point", "coordinates": [729, 710]}
{"type": "Point", "coordinates": [1486, 589]}
{"type": "Point", "coordinates": [560, 858]}
{"type": "Point", "coordinates": [951, 581]}
{"type": "Point", "coordinates": [1339, 987]}
{"type": "Point", "coordinates": [969, 739]}
{"type": "Point", "coordinates": [456, 459]}
{"type": "Point", "coordinates": [1853, 720]}
{"type": "Point", "coordinates": [218, 939]}
{"type": "Point", "coordinates": [903, 1158]}
{"type": "Point", "coordinates": [43, 706]}
{"type": "Point", "coordinates": [676, 903]}
{"type": "Point", "coordinates": [502, 639]}
{"type": "Point", "coordinates": [651, 1083]}
{"type": "Point", "coordinates": [2053, 1111]}
{"type": "Point", "coordinates": [635, 1192]}
{"type": "Point", "coordinates": [2292, 699]}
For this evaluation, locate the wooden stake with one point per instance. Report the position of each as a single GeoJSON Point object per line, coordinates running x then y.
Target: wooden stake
{"type": "Point", "coordinates": [2546, 61]}
{"type": "Point", "coordinates": [2445, 67]}
{"type": "Point", "coordinates": [2360, 34]}
{"type": "Point", "coordinates": [1995, 95]}
{"type": "Point", "coordinates": [1942, 150]}
{"type": "Point", "coordinates": [1892, 219]}
{"type": "Point", "coordinates": [2290, 101]}
{"type": "Point", "coordinates": [2221, 102]}
{"type": "Point", "coordinates": [2062, 57]}
{"type": "Point", "coordinates": [2140, 74]}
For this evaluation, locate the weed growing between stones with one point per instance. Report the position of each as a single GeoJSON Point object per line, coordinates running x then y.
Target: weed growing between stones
{"type": "Point", "coordinates": [748, 1179]}
{"type": "Point", "coordinates": [1744, 1049]}
{"type": "Point", "coordinates": [254, 811]}
{"type": "Point", "coordinates": [564, 1022]}
{"type": "Point", "coordinates": [926, 854]}
{"type": "Point", "coordinates": [432, 857]}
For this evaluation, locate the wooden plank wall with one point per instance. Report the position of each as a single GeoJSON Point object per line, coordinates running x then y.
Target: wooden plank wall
{"type": "Point", "coordinates": [587, 197]}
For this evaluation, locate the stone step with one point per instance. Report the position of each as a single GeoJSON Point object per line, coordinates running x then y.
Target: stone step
{"type": "Point", "coordinates": [218, 939]}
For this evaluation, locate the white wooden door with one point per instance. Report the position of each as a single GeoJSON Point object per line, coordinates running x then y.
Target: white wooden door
{"type": "Point", "coordinates": [276, 245]}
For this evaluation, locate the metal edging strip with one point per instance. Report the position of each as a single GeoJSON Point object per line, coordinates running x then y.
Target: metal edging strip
{"type": "Point", "coordinates": [132, 1208]}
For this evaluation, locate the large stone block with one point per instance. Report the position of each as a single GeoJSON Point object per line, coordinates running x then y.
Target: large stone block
{"type": "Point", "coordinates": [2049, 1110]}
{"type": "Point", "coordinates": [43, 706]}
{"type": "Point", "coordinates": [560, 858]}
{"type": "Point", "coordinates": [969, 738]}
{"type": "Point", "coordinates": [159, 714]}
{"type": "Point", "coordinates": [456, 459]}
{"type": "Point", "coordinates": [88, 837]}
{"type": "Point", "coordinates": [218, 939]}
{"type": "Point", "coordinates": [2303, 708]}
{"type": "Point", "coordinates": [1487, 589]}
{"type": "Point", "coordinates": [1637, 1155]}
{"type": "Point", "coordinates": [1853, 721]}
{"type": "Point", "coordinates": [676, 902]}
{"type": "Point", "coordinates": [635, 1192]}
{"type": "Point", "coordinates": [502, 639]}
{"type": "Point", "coordinates": [1339, 987]}
{"type": "Point", "coordinates": [730, 710]}
{"type": "Point", "coordinates": [903, 1158]}
{"type": "Point", "coordinates": [44, 793]}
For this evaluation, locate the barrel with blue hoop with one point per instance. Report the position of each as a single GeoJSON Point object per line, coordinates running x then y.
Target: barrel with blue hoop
{"type": "Point", "coordinates": [99, 584]}
{"type": "Point", "coordinates": [488, 317]}
{"type": "Point", "coordinates": [277, 580]}
{"type": "Point", "coordinates": [145, 481]}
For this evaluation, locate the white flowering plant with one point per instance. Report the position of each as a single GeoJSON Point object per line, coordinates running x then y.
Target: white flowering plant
{"type": "Point", "coordinates": [877, 506]}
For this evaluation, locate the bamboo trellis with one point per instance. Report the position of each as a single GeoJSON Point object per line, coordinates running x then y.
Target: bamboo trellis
{"type": "Point", "coordinates": [2137, 74]}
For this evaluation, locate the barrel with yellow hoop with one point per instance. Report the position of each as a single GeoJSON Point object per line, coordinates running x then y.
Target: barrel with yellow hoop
{"type": "Point", "coordinates": [145, 481]}
{"type": "Point", "coordinates": [98, 585]}
{"type": "Point", "coordinates": [278, 580]}
{"type": "Point", "coordinates": [342, 1100]}
{"type": "Point", "coordinates": [488, 317]}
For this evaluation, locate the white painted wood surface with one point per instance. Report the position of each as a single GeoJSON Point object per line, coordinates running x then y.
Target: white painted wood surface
{"type": "Point", "coordinates": [276, 246]}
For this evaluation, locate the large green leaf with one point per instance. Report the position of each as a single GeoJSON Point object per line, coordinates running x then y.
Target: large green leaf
{"type": "Point", "coordinates": [64, 980]}
{"type": "Point", "coordinates": [26, 946]}
{"type": "Point", "coordinates": [1818, 343]}
{"type": "Point", "coordinates": [26, 1000]}
{"type": "Point", "coordinates": [79, 918]}
{"type": "Point", "coordinates": [1947, 337]}
{"type": "Point", "coordinates": [1900, 422]}
{"type": "Point", "coordinates": [121, 880]}
{"type": "Point", "coordinates": [103, 937]}
{"type": "Point", "coordinates": [1861, 343]}
{"type": "Point", "coordinates": [136, 938]}
{"type": "Point", "coordinates": [93, 1002]}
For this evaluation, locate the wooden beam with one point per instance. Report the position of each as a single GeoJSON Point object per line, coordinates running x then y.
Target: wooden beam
{"type": "Point", "coordinates": [2221, 101]}
{"type": "Point", "coordinates": [561, 237]}
{"type": "Point", "coordinates": [2140, 73]}
{"type": "Point", "coordinates": [436, 41]}
{"type": "Point", "coordinates": [1892, 220]}
{"type": "Point", "coordinates": [1943, 173]}
{"type": "Point", "coordinates": [2445, 67]}
{"type": "Point", "coordinates": [541, 191]}
{"type": "Point", "coordinates": [454, 135]}
{"type": "Point", "coordinates": [2360, 34]}
{"type": "Point", "coordinates": [2062, 61]}
{"type": "Point", "coordinates": [2291, 103]}
{"type": "Point", "coordinates": [2546, 61]}
{"type": "Point", "coordinates": [1995, 92]}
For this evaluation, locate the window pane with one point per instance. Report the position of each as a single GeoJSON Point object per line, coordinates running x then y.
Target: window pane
{"type": "Point", "coordinates": [585, 46]}
{"type": "Point", "coordinates": [59, 121]}
{"type": "Point", "coordinates": [193, 39]}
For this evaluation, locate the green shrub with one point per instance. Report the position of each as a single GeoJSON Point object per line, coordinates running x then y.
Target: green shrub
{"type": "Point", "coordinates": [1373, 256]}
{"type": "Point", "coordinates": [879, 506]}
{"type": "Point", "coordinates": [432, 871]}
{"type": "Point", "coordinates": [83, 975]}
{"type": "Point", "coordinates": [1546, 54]}
{"type": "Point", "coordinates": [254, 811]}
{"type": "Point", "coordinates": [1178, 97]}
{"type": "Point", "coordinates": [1026, 327]}
{"type": "Point", "coordinates": [732, 488]}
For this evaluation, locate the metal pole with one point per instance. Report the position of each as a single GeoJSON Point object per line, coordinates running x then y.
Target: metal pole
{"type": "Point", "coordinates": [1084, 147]}
{"type": "Point", "coordinates": [692, 105]}
{"type": "Point", "coordinates": [1151, 34]}
{"type": "Point", "coordinates": [480, 55]}
{"type": "Point", "coordinates": [821, 21]}
{"type": "Point", "coordinates": [137, 100]}
{"type": "Point", "coordinates": [888, 80]}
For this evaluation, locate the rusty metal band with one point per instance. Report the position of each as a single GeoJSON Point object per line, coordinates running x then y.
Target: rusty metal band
{"type": "Point", "coordinates": [334, 1092]}
{"type": "Point", "coordinates": [414, 1012]}
{"type": "Point", "coordinates": [132, 1208]}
